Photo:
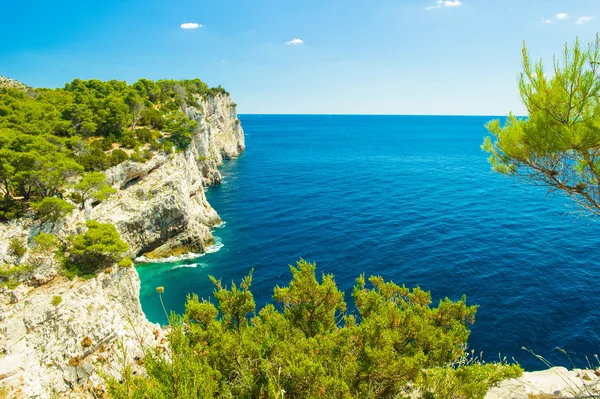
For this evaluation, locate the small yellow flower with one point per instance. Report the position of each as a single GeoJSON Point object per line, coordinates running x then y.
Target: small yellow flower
{"type": "Point", "coordinates": [160, 290]}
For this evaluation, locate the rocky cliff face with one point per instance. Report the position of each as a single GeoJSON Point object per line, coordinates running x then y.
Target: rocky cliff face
{"type": "Point", "coordinates": [54, 331]}
{"type": "Point", "coordinates": [161, 208]}
{"type": "Point", "coordinates": [53, 337]}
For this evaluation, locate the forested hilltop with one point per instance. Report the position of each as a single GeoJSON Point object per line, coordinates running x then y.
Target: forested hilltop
{"type": "Point", "coordinates": [93, 175]}
{"type": "Point", "coordinates": [49, 137]}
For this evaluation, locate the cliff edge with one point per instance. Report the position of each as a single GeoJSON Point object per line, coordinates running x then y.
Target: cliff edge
{"type": "Point", "coordinates": [54, 332]}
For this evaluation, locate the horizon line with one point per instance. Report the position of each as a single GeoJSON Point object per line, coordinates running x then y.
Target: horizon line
{"type": "Point", "coordinates": [350, 114]}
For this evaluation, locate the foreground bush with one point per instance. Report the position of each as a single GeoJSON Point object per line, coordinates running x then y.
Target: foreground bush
{"type": "Point", "coordinates": [307, 346]}
{"type": "Point", "coordinates": [99, 247]}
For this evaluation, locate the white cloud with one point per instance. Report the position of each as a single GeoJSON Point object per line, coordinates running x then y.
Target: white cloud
{"type": "Point", "coordinates": [295, 41]}
{"type": "Point", "coordinates": [444, 3]}
{"type": "Point", "coordinates": [191, 25]}
{"type": "Point", "coordinates": [562, 15]}
{"type": "Point", "coordinates": [584, 19]}
{"type": "Point", "coordinates": [546, 21]}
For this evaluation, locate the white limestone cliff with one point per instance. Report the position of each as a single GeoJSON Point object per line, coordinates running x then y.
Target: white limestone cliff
{"type": "Point", "coordinates": [51, 347]}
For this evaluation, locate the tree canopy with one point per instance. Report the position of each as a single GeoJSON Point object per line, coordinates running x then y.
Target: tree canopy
{"type": "Point", "coordinates": [100, 246]}
{"type": "Point", "coordinates": [49, 137]}
{"type": "Point", "coordinates": [558, 144]}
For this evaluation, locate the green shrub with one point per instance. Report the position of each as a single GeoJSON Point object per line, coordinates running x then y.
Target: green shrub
{"type": "Point", "coordinates": [12, 276]}
{"type": "Point", "coordinates": [52, 209]}
{"type": "Point", "coordinates": [99, 247]}
{"type": "Point", "coordinates": [129, 140]}
{"type": "Point", "coordinates": [125, 262]}
{"type": "Point", "coordinates": [181, 129]}
{"type": "Point", "coordinates": [16, 248]}
{"type": "Point", "coordinates": [153, 118]}
{"type": "Point", "coordinates": [136, 157]}
{"type": "Point", "coordinates": [397, 345]}
{"type": "Point", "coordinates": [11, 284]}
{"type": "Point", "coordinates": [155, 145]}
{"type": "Point", "coordinates": [93, 185]}
{"type": "Point", "coordinates": [143, 135]}
{"type": "Point", "coordinates": [118, 156]}
{"type": "Point", "coordinates": [10, 209]}
{"type": "Point", "coordinates": [45, 242]}
{"type": "Point", "coordinates": [56, 300]}
{"type": "Point", "coordinates": [168, 147]}
{"type": "Point", "coordinates": [147, 154]}
{"type": "Point", "coordinates": [106, 144]}
{"type": "Point", "coordinates": [9, 271]}
{"type": "Point", "coordinates": [95, 160]}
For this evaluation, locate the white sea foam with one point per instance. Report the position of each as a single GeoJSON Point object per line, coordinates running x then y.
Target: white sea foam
{"type": "Point", "coordinates": [214, 248]}
{"type": "Point", "coordinates": [221, 225]}
{"type": "Point", "coordinates": [171, 259]}
{"type": "Point", "coordinates": [193, 266]}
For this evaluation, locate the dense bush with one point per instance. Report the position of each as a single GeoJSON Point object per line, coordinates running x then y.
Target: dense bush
{"type": "Point", "coordinates": [99, 247]}
{"type": "Point", "coordinates": [168, 147]}
{"type": "Point", "coordinates": [16, 247]}
{"type": "Point", "coordinates": [52, 209]}
{"type": "Point", "coordinates": [10, 209]}
{"type": "Point", "coordinates": [12, 276]}
{"type": "Point", "coordinates": [118, 156]}
{"type": "Point", "coordinates": [308, 346]}
{"type": "Point", "coordinates": [93, 185]}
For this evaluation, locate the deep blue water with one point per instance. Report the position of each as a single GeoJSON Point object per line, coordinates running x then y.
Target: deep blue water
{"type": "Point", "coordinates": [411, 198]}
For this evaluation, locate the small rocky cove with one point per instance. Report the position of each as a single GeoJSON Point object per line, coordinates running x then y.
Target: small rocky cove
{"type": "Point", "coordinates": [56, 333]}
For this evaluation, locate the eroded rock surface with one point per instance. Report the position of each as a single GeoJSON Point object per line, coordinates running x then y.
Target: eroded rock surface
{"type": "Point", "coordinates": [52, 338]}
{"type": "Point", "coordinates": [54, 333]}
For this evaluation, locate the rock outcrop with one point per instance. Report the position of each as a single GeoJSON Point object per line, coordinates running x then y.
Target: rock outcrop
{"type": "Point", "coordinates": [54, 333]}
{"type": "Point", "coordinates": [161, 208]}
{"type": "Point", "coordinates": [554, 382]}
{"type": "Point", "coordinates": [54, 337]}
{"type": "Point", "coordinates": [13, 84]}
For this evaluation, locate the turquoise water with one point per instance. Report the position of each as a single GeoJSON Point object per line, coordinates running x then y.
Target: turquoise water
{"type": "Point", "coordinates": [411, 198]}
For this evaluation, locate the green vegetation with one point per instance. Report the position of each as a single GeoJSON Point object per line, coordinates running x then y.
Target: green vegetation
{"type": "Point", "coordinates": [557, 145]}
{"type": "Point", "coordinates": [125, 262]}
{"type": "Point", "coordinates": [52, 209]}
{"type": "Point", "coordinates": [308, 346]}
{"type": "Point", "coordinates": [12, 276]}
{"type": "Point", "coordinates": [99, 247]}
{"type": "Point", "coordinates": [93, 185]}
{"type": "Point", "coordinates": [56, 300]}
{"type": "Point", "coordinates": [45, 247]}
{"type": "Point", "coordinates": [50, 137]}
{"type": "Point", "coordinates": [16, 247]}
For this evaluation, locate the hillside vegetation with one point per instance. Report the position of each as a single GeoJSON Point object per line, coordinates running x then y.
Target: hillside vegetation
{"type": "Point", "coordinates": [51, 137]}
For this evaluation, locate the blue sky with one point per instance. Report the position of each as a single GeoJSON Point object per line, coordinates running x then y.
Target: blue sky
{"type": "Point", "coordinates": [365, 57]}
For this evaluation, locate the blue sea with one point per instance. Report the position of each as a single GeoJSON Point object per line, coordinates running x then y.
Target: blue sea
{"type": "Point", "coordinates": [410, 198]}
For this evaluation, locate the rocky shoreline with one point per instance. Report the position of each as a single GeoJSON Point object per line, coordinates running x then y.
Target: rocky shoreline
{"type": "Point", "coordinates": [55, 333]}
